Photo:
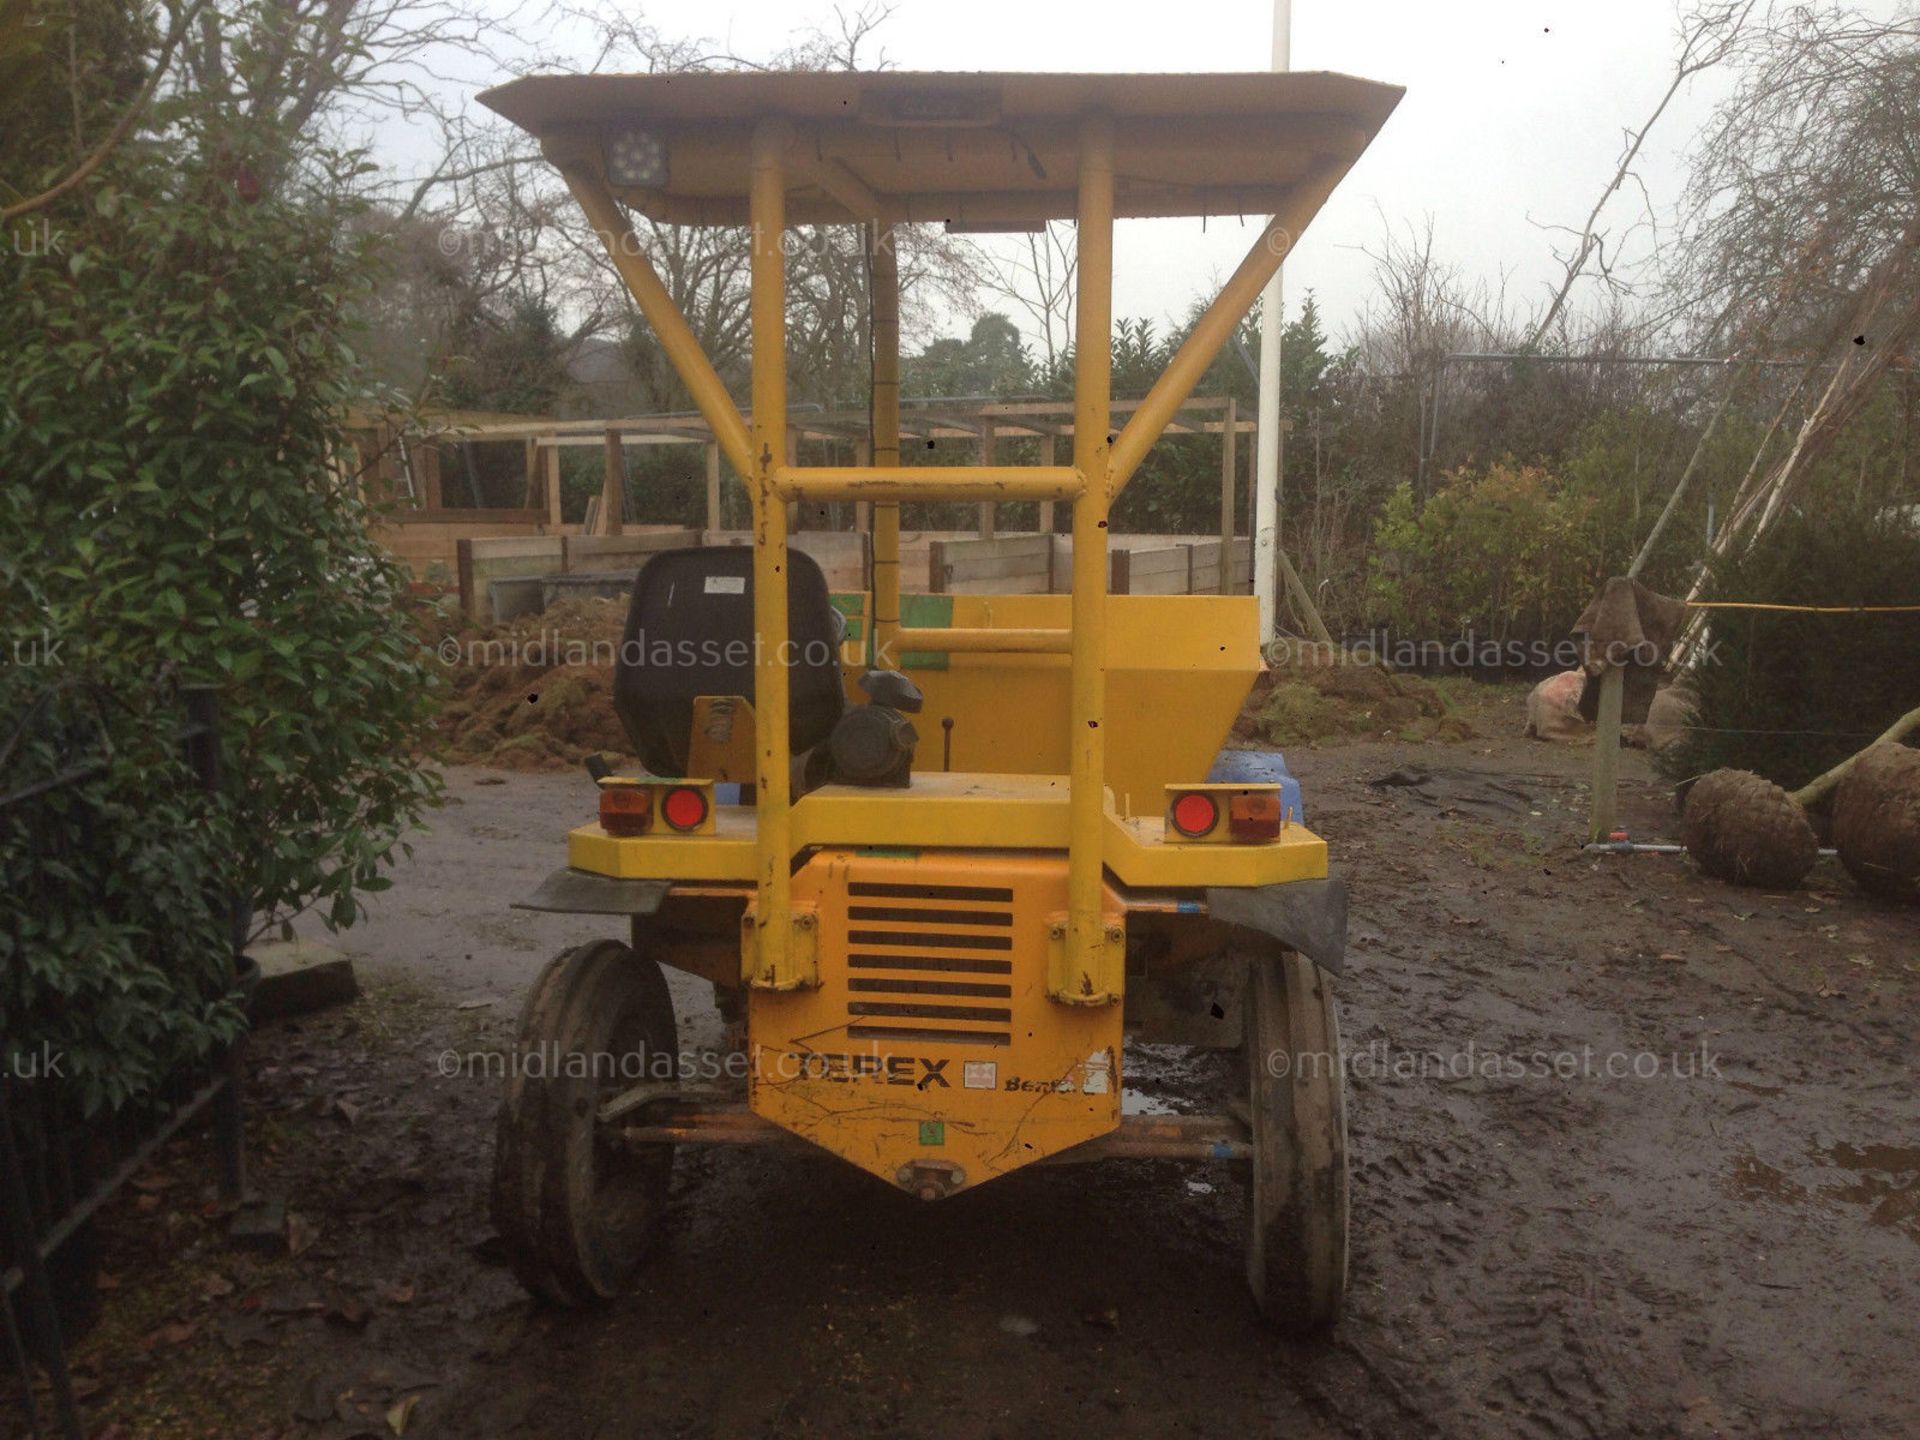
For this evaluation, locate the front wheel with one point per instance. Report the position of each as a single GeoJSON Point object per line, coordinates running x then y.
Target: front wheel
{"type": "Point", "coordinates": [576, 1209]}
{"type": "Point", "coordinates": [1297, 1202]}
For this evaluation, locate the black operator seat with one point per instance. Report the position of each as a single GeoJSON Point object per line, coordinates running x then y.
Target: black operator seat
{"type": "Point", "coordinates": [690, 633]}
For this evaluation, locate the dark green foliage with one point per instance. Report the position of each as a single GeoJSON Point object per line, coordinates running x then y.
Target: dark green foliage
{"type": "Point", "coordinates": [51, 112]}
{"type": "Point", "coordinates": [114, 943]}
{"type": "Point", "coordinates": [1843, 677]}
{"type": "Point", "coordinates": [513, 359]}
{"type": "Point", "coordinates": [174, 505]}
{"type": "Point", "coordinates": [991, 363]}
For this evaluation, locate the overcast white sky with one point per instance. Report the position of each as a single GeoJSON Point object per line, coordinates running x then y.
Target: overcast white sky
{"type": "Point", "coordinates": [1514, 113]}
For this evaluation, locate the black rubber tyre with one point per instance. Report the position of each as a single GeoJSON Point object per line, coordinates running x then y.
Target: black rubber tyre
{"type": "Point", "coordinates": [576, 1213]}
{"type": "Point", "coordinates": [1296, 1093]}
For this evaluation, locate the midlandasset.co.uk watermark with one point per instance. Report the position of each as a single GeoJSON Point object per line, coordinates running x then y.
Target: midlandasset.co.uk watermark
{"type": "Point", "coordinates": [1381, 1060]}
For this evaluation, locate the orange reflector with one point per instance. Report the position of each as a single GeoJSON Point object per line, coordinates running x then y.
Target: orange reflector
{"type": "Point", "coordinates": [1195, 814]}
{"type": "Point", "coordinates": [625, 809]}
{"type": "Point", "coordinates": [1254, 817]}
{"type": "Point", "coordinates": [684, 808]}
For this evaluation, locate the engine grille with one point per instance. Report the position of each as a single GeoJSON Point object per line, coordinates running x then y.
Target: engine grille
{"type": "Point", "coordinates": [929, 962]}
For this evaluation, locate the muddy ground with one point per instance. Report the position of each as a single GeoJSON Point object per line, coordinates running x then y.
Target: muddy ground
{"type": "Point", "coordinates": [1545, 1242]}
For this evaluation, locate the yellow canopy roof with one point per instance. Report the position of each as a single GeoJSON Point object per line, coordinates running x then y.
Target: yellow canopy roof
{"type": "Point", "coordinates": [979, 149]}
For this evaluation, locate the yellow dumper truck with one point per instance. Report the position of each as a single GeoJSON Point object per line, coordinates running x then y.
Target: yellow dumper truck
{"type": "Point", "coordinates": [941, 859]}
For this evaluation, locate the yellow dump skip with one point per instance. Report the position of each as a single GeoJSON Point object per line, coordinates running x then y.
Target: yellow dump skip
{"type": "Point", "coordinates": [930, 1054]}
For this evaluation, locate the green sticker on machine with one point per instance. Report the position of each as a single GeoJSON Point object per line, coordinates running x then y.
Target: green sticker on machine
{"type": "Point", "coordinates": [933, 1132]}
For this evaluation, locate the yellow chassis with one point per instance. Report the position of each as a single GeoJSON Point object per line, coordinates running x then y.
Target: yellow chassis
{"type": "Point", "coordinates": [1036, 882]}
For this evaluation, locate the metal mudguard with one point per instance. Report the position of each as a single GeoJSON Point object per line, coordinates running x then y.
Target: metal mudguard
{"type": "Point", "coordinates": [1306, 915]}
{"type": "Point", "coordinates": [580, 892]}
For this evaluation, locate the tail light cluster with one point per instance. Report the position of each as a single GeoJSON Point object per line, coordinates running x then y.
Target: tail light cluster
{"type": "Point", "coordinates": [641, 805]}
{"type": "Point", "coordinates": [1223, 814]}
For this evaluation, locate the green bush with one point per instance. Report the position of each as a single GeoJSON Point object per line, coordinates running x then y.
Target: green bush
{"type": "Point", "coordinates": [1789, 694]}
{"type": "Point", "coordinates": [176, 503]}
{"type": "Point", "coordinates": [1504, 553]}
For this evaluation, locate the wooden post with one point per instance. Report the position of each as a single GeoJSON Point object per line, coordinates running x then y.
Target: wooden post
{"type": "Point", "coordinates": [553, 485]}
{"type": "Point", "coordinates": [463, 577]}
{"type": "Point", "coordinates": [713, 485]}
{"type": "Point", "coordinates": [1253, 497]}
{"type": "Point", "coordinates": [533, 474]}
{"type": "Point", "coordinates": [429, 454]}
{"type": "Point", "coordinates": [985, 457]}
{"type": "Point", "coordinates": [936, 567]}
{"type": "Point", "coordinates": [1119, 572]}
{"type": "Point", "coordinates": [1046, 506]}
{"type": "Point", "coordinates": [1228, 438]}
{"type": "Point", "coordinates": [611, 499]}
{"type": "Point", "coordinates": [1606, 754]}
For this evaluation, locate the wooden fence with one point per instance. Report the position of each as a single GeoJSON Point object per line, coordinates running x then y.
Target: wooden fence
{"type": "Point", "coordinates": [1043, 564]}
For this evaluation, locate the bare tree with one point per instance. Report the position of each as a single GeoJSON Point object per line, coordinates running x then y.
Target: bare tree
{"type": "Point", "coordinates": [1802, 229]}
{"type": "Point", "coordinates": [1707, 37]}
{"type": "Point", "coordinates": [1036, 275]}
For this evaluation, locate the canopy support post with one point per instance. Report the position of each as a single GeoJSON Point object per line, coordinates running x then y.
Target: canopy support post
{"type": "Point", "coordinates": [1216, 326]}
{"type": "Point", "coordinates": [772, 966]}
{"type": "Point", "coordinates": [1087, 972]}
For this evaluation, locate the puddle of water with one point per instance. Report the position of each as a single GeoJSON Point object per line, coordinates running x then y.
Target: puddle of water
{"type": "Point", "coordinates": [1886, 1179]}
{"type": "Point", "coordinates": [1754, 1179]}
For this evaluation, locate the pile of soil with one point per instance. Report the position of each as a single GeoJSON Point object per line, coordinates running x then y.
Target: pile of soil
{"type": "Point", "coordinates": [1311, 699]}
{"type": "Point", "coordinates": [535, 694]}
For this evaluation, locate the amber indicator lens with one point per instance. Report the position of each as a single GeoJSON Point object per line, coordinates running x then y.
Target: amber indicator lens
{"type": "Point", "coordinates": [625, 809]}
{"type": "Point", "coordinates": [1254, 817]}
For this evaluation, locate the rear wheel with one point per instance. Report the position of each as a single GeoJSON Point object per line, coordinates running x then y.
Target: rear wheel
{"type": "Point", "coordinates": [1297, 1202]}
{"type": "Point", "coordinates": [577, 1209]}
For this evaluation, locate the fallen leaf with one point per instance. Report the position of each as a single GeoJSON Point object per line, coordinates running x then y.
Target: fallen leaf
{"type": "Point", "coordinates": [216, 1287]}
{"type": "Point", "coordinates": [301, 1234]}
{"type": "Point", "coordinates": [400, 1293]}
{"type": "Point", "coordinates": [401, 1413]}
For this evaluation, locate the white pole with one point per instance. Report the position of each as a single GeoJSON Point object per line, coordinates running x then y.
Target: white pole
{"type": "Point", "coordinates": [1266, 503]}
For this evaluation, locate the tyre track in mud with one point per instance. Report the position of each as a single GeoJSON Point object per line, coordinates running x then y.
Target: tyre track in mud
{"type": "Point", "coordinates": [1528, 1252]}
{"type": "Point", "coordinates": [1532, 1257]}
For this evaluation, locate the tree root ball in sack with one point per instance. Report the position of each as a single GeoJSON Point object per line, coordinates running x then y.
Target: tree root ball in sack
{"type": "Point", "coordinates": [1744, 829]}
{"type": "Point", "coordinates": [1876, 822]}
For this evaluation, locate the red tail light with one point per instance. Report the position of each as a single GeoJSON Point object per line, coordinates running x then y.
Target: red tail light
{"type": "Point", "coordinates": [1195, 814]}
{"type": "Point", "coordinates": [684, 808]}
{"type": "Point", "coordinates": [1212, 813]}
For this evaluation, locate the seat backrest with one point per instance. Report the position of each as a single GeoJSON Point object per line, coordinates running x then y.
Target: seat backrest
{"type": "Point", "coordinates": [690, 633]}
